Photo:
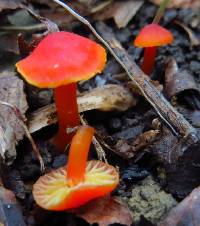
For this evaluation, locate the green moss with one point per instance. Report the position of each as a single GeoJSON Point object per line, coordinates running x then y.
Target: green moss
{"type": "Point", "coordinates": [150, 201]}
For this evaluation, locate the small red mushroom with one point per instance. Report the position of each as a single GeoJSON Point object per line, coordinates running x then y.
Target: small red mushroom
{"type": "Point", "coordinates": [59, 61]}
{"type": "Point", "coordinates": [81, 181]}
{"type": "Point", "coordinates": [150, 37]}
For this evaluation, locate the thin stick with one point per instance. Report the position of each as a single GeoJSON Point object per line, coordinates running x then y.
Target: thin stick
{"type": "Point", "coordinates": [182, 127]}
{"type": "Point", "coordinates": [160, 11]}
{"type": "Point", "coordinates": [22, 120]}
{"type": "Point", "coordinates": [100, 152]}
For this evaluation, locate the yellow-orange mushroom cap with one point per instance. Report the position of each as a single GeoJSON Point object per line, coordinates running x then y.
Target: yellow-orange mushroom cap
{"type": "Point", "coordinates": [153, 35]}
{"type": "Point", "coordinates": [62, 58]}
{"type": "Point", "coordinates": [81, 181]}
{"type": "Point", "coordinates": [53, 192]}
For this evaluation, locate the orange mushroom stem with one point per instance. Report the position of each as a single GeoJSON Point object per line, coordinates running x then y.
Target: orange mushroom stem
{"type": "Point", "coordinates": [77, 160]}
{"type": "Point", "coordinates": [149, 60]}
{"type": "Point", "coordinates": [67, 112]}
{"type": "Point", "coordinates": [80, 181]}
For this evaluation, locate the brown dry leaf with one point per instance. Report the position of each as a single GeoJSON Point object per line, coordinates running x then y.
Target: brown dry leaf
{"type": "Point", "coordinates": [121, 11]}
{"type": "Point", "coordinates": [177, 81]}
{"type": "Point", "coordinates": [11, 91]}
{"type": "Point", "coordinates": [10, 4]}
{"type": "Point", "coordinates": [186, 212]}
{"type": "Point", "coordinates": [123, 149]}
{"type": "Point", "coordinates": [193, 39]}
{"type": "Point", "coordinates": [145, 139]}
{"type": "Point", "coordinates": [180, 3]}
{"type": "Point", "coordinates": [105, 211]}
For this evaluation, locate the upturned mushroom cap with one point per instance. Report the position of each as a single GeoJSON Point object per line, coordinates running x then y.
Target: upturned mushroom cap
{"type": "Point", "coordinates": [54, 192]}
{"type": "Point", "coordinates": [153, 35]}
{"type": "Point", "coordinates": [62, 58]}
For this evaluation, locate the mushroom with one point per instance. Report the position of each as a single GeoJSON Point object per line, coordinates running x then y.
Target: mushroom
{"type": "Point", "coordinates": [80, 181]}
{"type": "Point", "coordinates": [150, 37]}
{"type": "Point", "coordinates": [59, 61]}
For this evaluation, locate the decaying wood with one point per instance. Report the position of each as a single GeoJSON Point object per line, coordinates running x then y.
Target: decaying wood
{"type": "Point", "coordinates": [174, 120]}
{"type": "Point", "coordinates": [105, 98]}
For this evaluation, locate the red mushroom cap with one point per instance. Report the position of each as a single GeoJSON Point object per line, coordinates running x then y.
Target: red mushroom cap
{"type": "Point", "coordinates": [62, 58]}
{"type": "Point", "coordinates": [153, 35]}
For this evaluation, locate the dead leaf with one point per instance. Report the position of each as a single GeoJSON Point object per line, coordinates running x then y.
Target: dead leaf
{"type": "Point", "coordinates": [121, 11]}
{"type": "Point", "coordinates": [11, 91]}
{"type": "Point", "coordinates": [186, 212]}
{"type": "Point", "coordinates": [193, 39]}
{"type": "Point", "coordinates": [145, 139]}
{"type": "Point", "coordinates": [106, 211]}
{"type": "Point", "coordinates": [104, 98]}
{"type": "Point", "coordinates": [177, 81]}
{"type": "Point", "coordinates": [180, 3]}
{"type": "Point", "coordinates": [10, 4]}
{"type": "Point", "coordinates": [123, 149]}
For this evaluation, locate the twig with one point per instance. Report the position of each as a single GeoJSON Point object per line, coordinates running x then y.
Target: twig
{"type": "Point", "coordinates": [180, 127]}
{"type": "Point", "coordinates": [100, 152]}
{"type": "Point", "coordinates": [31, 28]}
{"type": "Point", "coordinates": [22, 120]}
{"type": "Point", "coordinates": [160, 11]}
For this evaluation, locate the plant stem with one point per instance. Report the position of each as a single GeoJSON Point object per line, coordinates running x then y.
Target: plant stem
{"type": "Point", "coordinates": [149, 60]}
{"type": "Point", "coordinates": [67, 111]}
{"type": "Point", "coordinates": [160, 11]}
{"type": "Point", "coordinates": [78, 153]}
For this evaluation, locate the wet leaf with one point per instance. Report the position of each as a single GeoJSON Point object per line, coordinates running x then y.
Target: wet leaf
{"type": "Point", "coordinates": [177, 81]}
{"type": "Point", "coordinates": [186, 213]}
{"type": "Point", "coordinates": [180, 3]}
{"type": "Point", "coordinates": [106, 211]}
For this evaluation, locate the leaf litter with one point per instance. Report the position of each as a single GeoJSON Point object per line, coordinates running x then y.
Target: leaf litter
{"type": "Point", "coordinates": [118, 122]}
